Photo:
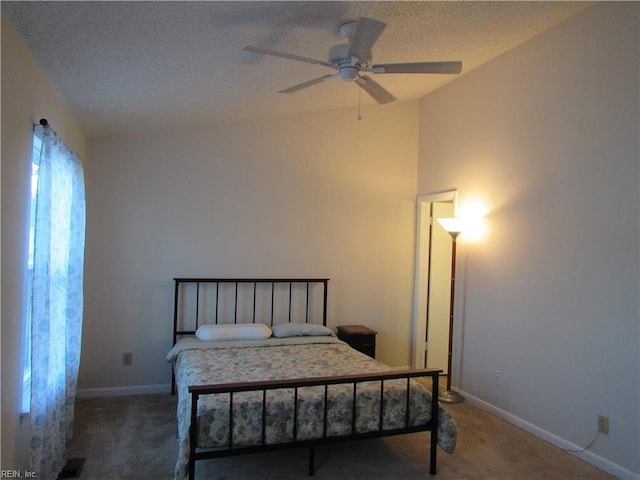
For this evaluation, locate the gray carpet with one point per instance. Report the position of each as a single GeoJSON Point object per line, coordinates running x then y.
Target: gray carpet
{"type": "Point", "coordinates": [134, 438]}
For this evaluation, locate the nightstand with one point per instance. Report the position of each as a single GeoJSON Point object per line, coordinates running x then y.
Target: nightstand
{"type": "Point", "coordinates": [359, 337]}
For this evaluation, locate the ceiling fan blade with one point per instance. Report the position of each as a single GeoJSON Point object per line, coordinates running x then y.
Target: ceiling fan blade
{"type": "Point", "coordinates": [366, 35]}
{"type": "Point", "coordinates": [275, 53]}
{"type": "Point", "coordinates": [419, 67]}
{"type": "Point", "coordinates": [373, 88]}
{"type": "Point", "coordinates": [308, 83]}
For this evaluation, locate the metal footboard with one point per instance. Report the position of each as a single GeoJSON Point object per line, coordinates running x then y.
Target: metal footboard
{"type": "Point", "coordinates": [263, 386]}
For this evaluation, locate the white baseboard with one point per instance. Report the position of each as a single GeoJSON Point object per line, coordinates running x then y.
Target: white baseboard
{"type": "Point", "coordinates": [120, 391]}
{"type": "Point", "coordinates": [587, 456]}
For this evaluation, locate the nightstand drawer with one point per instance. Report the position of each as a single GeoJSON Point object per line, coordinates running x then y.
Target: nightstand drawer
{"type": "Point", "coordinates": [359, 337]}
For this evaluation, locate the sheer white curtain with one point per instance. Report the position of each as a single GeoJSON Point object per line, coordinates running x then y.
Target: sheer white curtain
{"type": "Point", "coordinates": [57, 301]}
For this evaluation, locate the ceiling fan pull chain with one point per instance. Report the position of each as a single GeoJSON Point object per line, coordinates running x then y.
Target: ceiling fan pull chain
{"type": "Point", "coordinates": [359, 100]}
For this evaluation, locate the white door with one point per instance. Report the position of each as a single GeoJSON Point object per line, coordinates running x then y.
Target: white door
{"type": "Point", "coordinates": [422, 280]}
{"type": "Point", "coordinates": [439, 288]}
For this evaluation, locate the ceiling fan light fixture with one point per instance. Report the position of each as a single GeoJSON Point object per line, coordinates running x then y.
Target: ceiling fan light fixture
{"type": "Point", "coordinates": [348, 73]}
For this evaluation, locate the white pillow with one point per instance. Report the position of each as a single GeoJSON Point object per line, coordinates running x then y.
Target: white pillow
{"type": "Point", "coordinates": [237, 331]}
{"type": "Point", "coordinates": [300, 330]}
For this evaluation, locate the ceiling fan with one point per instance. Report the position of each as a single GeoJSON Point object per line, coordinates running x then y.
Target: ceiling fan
{"type": "Point", "coordinates": [352, 59]}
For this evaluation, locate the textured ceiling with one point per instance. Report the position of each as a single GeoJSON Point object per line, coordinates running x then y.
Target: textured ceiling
{"type": "Point", "coordinates": [124, 66]}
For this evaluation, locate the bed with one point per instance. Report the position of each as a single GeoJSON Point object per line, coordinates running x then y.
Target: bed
{"type": "Point", "coordinates": [256, 368]}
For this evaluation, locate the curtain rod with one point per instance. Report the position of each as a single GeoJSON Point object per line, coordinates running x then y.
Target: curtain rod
{"type": "Point", "coordinates": [43, 122]}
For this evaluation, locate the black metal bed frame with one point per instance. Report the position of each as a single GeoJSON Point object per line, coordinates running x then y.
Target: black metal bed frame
{"type": "Point", "coordinates": [230, 450]}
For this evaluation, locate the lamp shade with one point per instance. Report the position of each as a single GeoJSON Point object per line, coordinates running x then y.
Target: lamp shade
{"type": "Point", "coordinates": [453, 225]}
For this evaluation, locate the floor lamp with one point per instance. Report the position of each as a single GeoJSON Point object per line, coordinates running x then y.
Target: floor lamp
{"type": "Point", "coordinates": [453, 226]}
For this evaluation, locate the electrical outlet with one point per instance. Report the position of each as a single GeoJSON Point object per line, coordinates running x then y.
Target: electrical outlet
{"type": "Point", "coordinates": [127, 359]}
{"type": "Point", "coordinates": [497, 377]}
{"type": "Point", "coordinates": [603, 424]}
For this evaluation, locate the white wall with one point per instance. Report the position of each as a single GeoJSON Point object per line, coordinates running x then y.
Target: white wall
{"type": "Point", "coordinates": [308, 195]}
{"type": "Point", "coordinates": [548, 135]}
{"type": "Point", "coordinates": [26, 97]}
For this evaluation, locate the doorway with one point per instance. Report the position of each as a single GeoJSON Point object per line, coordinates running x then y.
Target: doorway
{"type": "Point", "coordinates": [432, 281]}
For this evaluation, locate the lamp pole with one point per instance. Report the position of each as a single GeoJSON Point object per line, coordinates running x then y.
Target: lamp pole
{"type": "Point", "coordinates": [452, 226]}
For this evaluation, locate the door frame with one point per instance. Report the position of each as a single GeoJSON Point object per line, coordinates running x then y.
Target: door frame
{"type": "Point", "coordinates": [421, 270]}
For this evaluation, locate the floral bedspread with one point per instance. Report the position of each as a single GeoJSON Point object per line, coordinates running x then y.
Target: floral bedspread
{"type": "Point", "coordinates": [199, 363]}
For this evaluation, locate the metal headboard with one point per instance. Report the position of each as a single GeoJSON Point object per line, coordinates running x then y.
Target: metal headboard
{"type": "Point", "coordinates": [210, 296]}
